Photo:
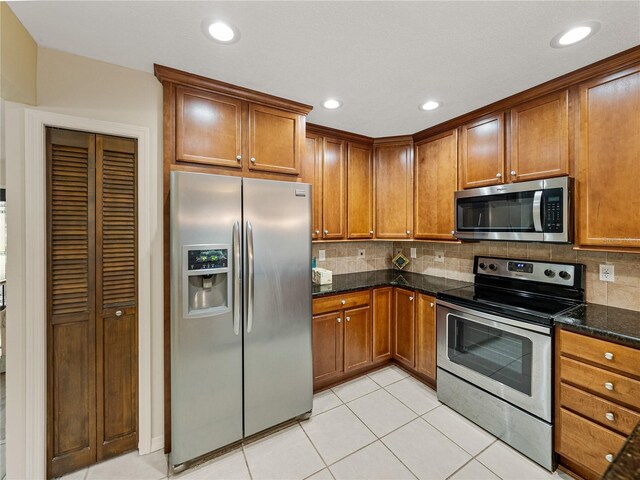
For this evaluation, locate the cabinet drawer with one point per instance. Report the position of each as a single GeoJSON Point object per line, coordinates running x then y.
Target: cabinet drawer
{"type": "Point", "coordinates": [622, 389]}
{"type": "Point", "coordinates": [339, 302]}
{"type": "Point", "coordinates": [607, 354]}
{"type": "Point", "coordinates": [587, 443]}
{"type": "Point", "coordinates": [598, 409]}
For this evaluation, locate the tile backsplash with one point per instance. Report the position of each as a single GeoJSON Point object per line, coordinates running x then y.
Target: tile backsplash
{"type": "Point", "coordinates": [342, 257]}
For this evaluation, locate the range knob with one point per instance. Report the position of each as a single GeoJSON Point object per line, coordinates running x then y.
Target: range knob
{"type": "Point", "coordinates": [564, 275]}
{"type": "Point", "coordinates": [549, 273]}
{"type": "Point", "coordinates": [493, 267]}
{"type": "Point", "coordinates": [482, 265]}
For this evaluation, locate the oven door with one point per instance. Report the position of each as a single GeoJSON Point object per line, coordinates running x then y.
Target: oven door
{"type": "Point", "coordinates": [497, 355]}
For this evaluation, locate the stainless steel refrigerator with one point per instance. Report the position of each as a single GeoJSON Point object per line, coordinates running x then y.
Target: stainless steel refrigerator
{"type": "Point", "coordinates": [240, 309]}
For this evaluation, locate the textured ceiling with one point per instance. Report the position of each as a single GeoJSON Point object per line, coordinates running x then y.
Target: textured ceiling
{"type": "Point", "coordinates": [381, 59]}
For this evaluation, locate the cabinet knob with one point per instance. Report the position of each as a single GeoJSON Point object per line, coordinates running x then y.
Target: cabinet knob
{"type": "Point", "coordinates": [608, 356]}
{"type": "Point", "coordinates": [408, 232]}
{"type": "Point", "coordinates": [513, 172]}
{"type": "Point", "coordinates": [339, 319]}
{"type": "Point", "coordinates": [253, 160]}
{"type": "Point", "coordinates": [453, 232]}
{"type": "Point", "coordinates": [326, 232]}
{"type": "Point", "coordinates": [431, 304]}
{"type": "Point", "coordinates": [608, 385]}
{"type": "Point", "coordinates": [610, 416]}
{"type": "Point", "coordinates": [317, 232]}
{"type": "Point", "coordinates": [238, 157]}
{"type": "Point", "coordinates": [411, 299]}
{"type": "Point", "coordinates": [118, 313]}
{"type": "Point", "coordinates": [343, 302]}
{"type": "Point", "coordinates": [609, 457]}
{"type": "Point", "coordinates": [348, 319]}
{"type": "Point", "coordinates": [370, 232]}
{"type": "Point", "coordinates": [498, 175]}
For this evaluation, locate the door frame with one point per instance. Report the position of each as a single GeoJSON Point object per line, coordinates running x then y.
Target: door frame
{"type": "Point", "coordinates": [36, 122]}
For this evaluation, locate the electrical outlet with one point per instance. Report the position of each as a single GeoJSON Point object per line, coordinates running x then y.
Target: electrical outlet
{"type": "Point", "coordinates": [607, 273]}
{"type": "Point", "coordinates": [439, 257]}
{"type": "Point", "coordinates": [414, 253]}
{"type": "Point", "coordinates": [321, 257]}
{"type": "Point", "coordinates": [361, 252]}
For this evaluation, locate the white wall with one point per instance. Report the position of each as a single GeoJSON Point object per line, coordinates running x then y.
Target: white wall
{"type": "Point", "coordinates": [81, 87]}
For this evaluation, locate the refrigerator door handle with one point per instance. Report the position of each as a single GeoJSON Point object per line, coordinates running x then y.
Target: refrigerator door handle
{"type": "Point", "coordinates": [250, 275]}
{"type": "Point", "coordinates": [236, 278]}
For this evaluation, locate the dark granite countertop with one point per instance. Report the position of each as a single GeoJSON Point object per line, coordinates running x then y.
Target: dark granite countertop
{"type": "Point", "coordinates": [350, 282]}
{"type": "Point", "coordinates": [609, 323]}
{"type": "Point", "coordinates": [626, 466]}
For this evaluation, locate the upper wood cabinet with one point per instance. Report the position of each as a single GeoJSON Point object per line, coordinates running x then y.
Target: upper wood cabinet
{"type": "Point", "coordinates": [333, 188]}
{"type": "Point", "coordinates": [359, 191]}
{"type": "Point", "coordinates": [608, 160]}
{"type": "Point", "coordinates": [393, 189]}
{"type": "Point", "coordinates": [435, 182]}
{"type": "Point", "coordinates": [426, 336]}
{"type": "Point", "coordinates": [482, 152]}
{"type": "Point", "coordinates": [311, 172]}
{"type": "Point", "coordinates": [539, 139]}
{"type": "Point", "coordinates": [404, 334]}
{"type": "Point", "coordinates": [382, 323]}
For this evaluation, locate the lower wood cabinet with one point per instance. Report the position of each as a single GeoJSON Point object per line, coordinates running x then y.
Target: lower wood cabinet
{"type": "Point", "coordinates": [327, 335]}
{"type": "Point", "coordinates": [382, 323]}
{"type": "Point", "coordinates": [357, 338]}
{"type": "Point", "coordinates": [405, 326]}
{"type": "Point", "coordinates": [426, 336]}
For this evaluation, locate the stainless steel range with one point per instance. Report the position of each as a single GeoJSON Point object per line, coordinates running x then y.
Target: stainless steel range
{"type": "Point", "coordinates": [495, 348]}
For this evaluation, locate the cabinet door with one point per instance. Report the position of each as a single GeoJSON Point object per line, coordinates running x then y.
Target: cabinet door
{"type": "Point", "coordinates": [482, 152]}
{"type": "Point", "coordinates": [394, 190]}
{"type": "Point", "coordinates": [359, 191]}
{"type": "Point", "coordinates": [404, 335]}
{"type": "Point", "coordinates": [426, 336]}
{"type": "Point", "coordinates": [312, 173]}
{"type": "Point", "coordinates": [327, 346]}
{"type": "Point", "coordinates": [333, 189]}
{"type": "Point", "coordinates": [275, 140]}
{"type": "Point", "coordinates": [435, 182]}
{"type": "Point", "coordinates": [540, 138]}
{"type": "Point", "coordinates": [608, 160]}
{"type": "Point", "coordinates": [208, 128]}
{"type": "Point", "coordinates": [357, 338]}
{"type": "Point", "coordinates": [382, 324]}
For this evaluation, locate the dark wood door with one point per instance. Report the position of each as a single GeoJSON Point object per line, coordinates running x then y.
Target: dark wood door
{"type": "Point", "coordinates": [482, 152]}
{"type": "Point", "coordinates": [382, 323]}
{"type": "Point", "coordinates": [208, 128]}
{"type": "Point", "coordinates": [404, 335]}
{"type": "Point", "coordinates": [359, 191]}
{"type": "Point", "coordinates": [435, 182]}
{"type": "Point", "coordinates": [311, 169]}
{"type": "Point", "coordinates": [357, 338]}
{"type": "Point", "coordinates": [92, 364]}
{"type": "Point", "coordinates": [275, 140]}
{"type": "Point", "coordinates": [327, 332]}
{"type": "Point", "coordinates": [333, 189]}
{"type": "Point", "coordinates": [426, 336]}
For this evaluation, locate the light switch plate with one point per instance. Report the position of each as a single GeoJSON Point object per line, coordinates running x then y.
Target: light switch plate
{"type": "Point", "coordinates": [361, 253]}
{"type": "Point", "coordinates": [439, 257]}
{"type": "Point", "coordinates": [413, 253]}
{"type": "Point", "coordinates": [607, 273]}
{"type": "Point", "coordinates": [321, 256]}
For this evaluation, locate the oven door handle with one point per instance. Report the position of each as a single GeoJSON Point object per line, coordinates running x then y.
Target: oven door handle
{"type": "Point", "coordinates": [537, 211]}
{"type": "Point", "coordinates": [496, 321]}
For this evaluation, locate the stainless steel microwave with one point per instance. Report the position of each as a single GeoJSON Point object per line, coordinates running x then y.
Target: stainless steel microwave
{"type": "Point", "coordinates": [536, 211]}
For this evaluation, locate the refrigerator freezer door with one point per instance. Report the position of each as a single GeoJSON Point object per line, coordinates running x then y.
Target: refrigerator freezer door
{"type": "Point", "coordinates": [206, 353]}
{"type": "Point", "coordinates": [278, 380]}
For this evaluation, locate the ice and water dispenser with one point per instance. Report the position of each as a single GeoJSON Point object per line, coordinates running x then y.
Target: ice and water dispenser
{"type": "Point", "coordinates": [206, 280]}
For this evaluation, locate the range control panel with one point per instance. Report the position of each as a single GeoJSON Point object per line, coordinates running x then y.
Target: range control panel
{"type": "Point", "coordinates": [547, 272]}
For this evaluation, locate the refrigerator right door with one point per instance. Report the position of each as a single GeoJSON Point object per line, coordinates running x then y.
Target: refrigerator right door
{"type": "Point", "coordinates": [278, 376]}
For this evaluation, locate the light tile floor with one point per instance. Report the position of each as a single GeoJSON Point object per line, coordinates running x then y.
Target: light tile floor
{"type": "Point", "coordinates": [384, 425]}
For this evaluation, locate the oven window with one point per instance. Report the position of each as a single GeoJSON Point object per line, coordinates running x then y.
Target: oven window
{"type": "Point", "coordinates": [508, 212]}
{"type": "Point", "coordinates": [499, 355]}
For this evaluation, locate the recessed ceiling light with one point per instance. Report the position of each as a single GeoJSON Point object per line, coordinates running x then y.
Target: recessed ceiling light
{"type": "Point", "coordinates": [430, 105]}
{"type": "Point", "coordinates": [220, 31]}
{"type": "Point", "coordinates": [575, 34]}
{"type": "Point", "coordinates": [332, 104]}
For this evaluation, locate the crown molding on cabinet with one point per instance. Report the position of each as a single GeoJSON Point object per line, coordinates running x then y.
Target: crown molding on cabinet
{"type": "Point", "coordinates": [334, 132]}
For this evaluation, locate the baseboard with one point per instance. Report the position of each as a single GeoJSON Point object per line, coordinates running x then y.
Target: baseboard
{"type": "Point", "coordinates": [157, 443]}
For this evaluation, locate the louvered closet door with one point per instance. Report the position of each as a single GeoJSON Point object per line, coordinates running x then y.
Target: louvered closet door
{"type": "Point", "coordinates": [116, 294]}
{"type": "Point", "coordinates": [71, 301]}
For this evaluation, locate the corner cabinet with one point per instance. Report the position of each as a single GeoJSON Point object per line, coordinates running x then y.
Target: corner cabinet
{"type": "Point", "coordinates": [608, 160]}
{"type": "Point", "coordinates": [359, 191]}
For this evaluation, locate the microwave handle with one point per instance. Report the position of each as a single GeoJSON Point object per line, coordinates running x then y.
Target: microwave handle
{"type": "Point", "coordinates": [537, 211]}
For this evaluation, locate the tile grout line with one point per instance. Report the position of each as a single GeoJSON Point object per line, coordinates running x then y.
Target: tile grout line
{"type": "Point", "coordinates": [417, 413]}
{"type": "Point", "coordinates": [315, 448]}
{"type": "Point", "coordinates": [246, 461]}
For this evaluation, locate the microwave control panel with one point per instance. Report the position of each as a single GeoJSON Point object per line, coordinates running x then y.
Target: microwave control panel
{"type": "Point", "coordinates": [553, 210]}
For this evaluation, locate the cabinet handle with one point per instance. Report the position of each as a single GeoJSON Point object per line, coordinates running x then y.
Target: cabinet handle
{"type": "Point", "coordinates": [326, 232]}
{"type": "Point", "coordinates": [610, 416]}
{"type": "Point", "coordinates": [370, 232]}
{"type": "Point", "coordinates": [608, 356]}
{"type": "Point", "coordinates": [608, 385]}
{"type": "Point", "coordinates": [238, 157]}
{"type": "Point", "coordinates": [431, 304]}
{"type": "Point", "coordinates": [343, 302]}
{"type": "Point", "coordinates": [118, 313]}
{"type": "Point", "coordinates": [609, 457]}
{"type": "Point", "coordinates": [513, 172]}
{"type": "Point", "coordinates": [253, 160]}
{"type": "Point", "coordinates": [498, 175]}
{"type": "Point", "coordinates": [348, 319]}
{"type": "Point", "coordinates": [453, 232]}
{"type": "Point", "coordinates": [411, 299]}
{"type": "Point", "coordinates": [339, 319]}
{"type": "Point", "coordinates": [408, 232]}
{"type": "Point", "coordinates": [317, 232]}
